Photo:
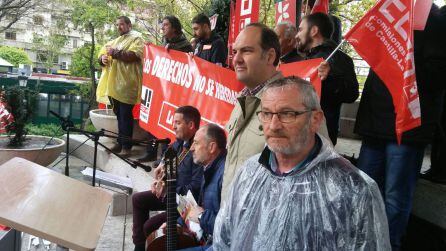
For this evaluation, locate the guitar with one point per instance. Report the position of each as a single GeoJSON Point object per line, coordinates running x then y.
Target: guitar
{"type": "Point", "coordinates": [159, 186]}
{"type": "Point", "coordinates": [171, 238]}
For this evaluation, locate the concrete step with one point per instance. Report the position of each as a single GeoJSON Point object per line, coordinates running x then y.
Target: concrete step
{"type": "Point", "coordinates": [430, 202]}
{"type": "Point", "coordinates": [110, 163]}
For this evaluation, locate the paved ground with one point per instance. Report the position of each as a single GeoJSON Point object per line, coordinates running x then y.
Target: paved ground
{"type": "Point", "coordinates": [111, 237]}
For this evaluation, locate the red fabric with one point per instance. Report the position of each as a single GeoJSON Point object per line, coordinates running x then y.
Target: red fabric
{"type": "Point", "coordinates": [305, 69]}
{"type": "Point", "coordinates": [6, 118]}
{"type": "Point", "coordinates": [384, 38]}
{"type": "Point", "coordinates": [2, 227]}
{"type": "Point", "coordinates": [320, 6]}
{"type": "Point", "coordinates": [231, 35]}
{"type": "Point", "coordinates": [242, 13]}
{"type": "Point", "coordinates": [421, 13]}
{"type": "Point", "coordinates": [173, 79]}
{"type": "Point", "coordinates": [286, 11]}
{"type": "Point", "coordinates": [135, 110]}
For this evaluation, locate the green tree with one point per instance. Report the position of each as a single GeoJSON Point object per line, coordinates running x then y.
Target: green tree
{"type": "Point", "coordinates": [14, 55]}
{"type": "Point", "coordinates": [93, 16]}
{"type": "Point", "coordinates": [48, 48]}
{"type": "Point", "coordinates": [80, 61]}
{"type": "Point", "coordinates": [12, 11]}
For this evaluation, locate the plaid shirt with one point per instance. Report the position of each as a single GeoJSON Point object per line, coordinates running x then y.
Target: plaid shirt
{"type": "Point", "coordinates": [252, 92]}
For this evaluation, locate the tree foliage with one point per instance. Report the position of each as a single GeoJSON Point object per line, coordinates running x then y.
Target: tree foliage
{"type": "Point", "coordinates": [14, 55]}
{"type": "Point", "coordinates": [12, 11]}
{"type": "Point", "coordinates": [48, 48]}
{"type": "Point", "coordinates": [80, 61]}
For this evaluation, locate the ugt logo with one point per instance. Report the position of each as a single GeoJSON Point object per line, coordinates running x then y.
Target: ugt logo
{"type": "Point", "coordinates": [146, 101]}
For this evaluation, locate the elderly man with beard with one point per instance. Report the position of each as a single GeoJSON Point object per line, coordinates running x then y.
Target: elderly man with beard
{"type": "Point", "coordinates": [299, 194]}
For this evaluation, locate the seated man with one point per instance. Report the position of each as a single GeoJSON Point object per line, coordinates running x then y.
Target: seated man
{"type": "Point", "coordinates": [209, 151]}
{"type": "Point", "coordinates": [186, 122]}
{"type": "Point", "coordinates": [299, 194]}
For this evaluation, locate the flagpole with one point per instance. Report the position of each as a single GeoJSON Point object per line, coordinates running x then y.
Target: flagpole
{"type": "Point", "coordinates": [335, 50]}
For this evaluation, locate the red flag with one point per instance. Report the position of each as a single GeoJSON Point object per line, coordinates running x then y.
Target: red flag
{"type": "Point", "coordinates": [305, 69]}
{"type": "Point", "coordinates": [384, 38]}
{"type": "Point", "coordinates": [421, 13]}
{"type": "Point", "coordinates": [242, 13]}
{"type": "Point", "coordinates": [320, 6]}
{"type": "Point", "coordinates": [286, 11]}
{"type": "Point", "coordinates": [232, 31]}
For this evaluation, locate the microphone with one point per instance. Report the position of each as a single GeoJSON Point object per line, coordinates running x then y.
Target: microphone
{"type": "Point", "coordinates": [161, 141]}
{"type": "Point", "coordinates": [145, 167]}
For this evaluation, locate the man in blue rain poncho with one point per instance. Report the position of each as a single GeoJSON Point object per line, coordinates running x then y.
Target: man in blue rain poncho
{"type": "Point", "coordinates": [299, 194]}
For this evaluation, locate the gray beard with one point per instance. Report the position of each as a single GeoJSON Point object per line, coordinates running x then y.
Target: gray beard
{"type": "Point", "coordinates": [300, 143]}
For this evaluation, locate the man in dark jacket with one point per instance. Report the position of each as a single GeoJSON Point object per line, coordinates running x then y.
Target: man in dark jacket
{"type": "Point", "coordinates": [210, 46]}
{"type": "Point", "coordinates": [209, 151]}
{"type": "Point", "coordinates": [435, 49]}
{"type": "Point", "coordinates": [339, 83]}
{"type": "Point", "coordinates": [286, 32]}
{"type": "Point", "coordinates": [394, 167]}
{"type": "Point", "coordinates": [173, 37]}
{"type": "Point", "coordinates": [190, 175]}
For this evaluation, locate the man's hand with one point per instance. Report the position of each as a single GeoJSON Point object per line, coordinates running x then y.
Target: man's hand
{"type": "Point", "coordinates": [323, 70]}
{"type": "Point", "coordinates": [159, 172]}
{"type": "Point", "coordinates": [109, 50]}
{"type": "Point", "coordinates": [160, 189]}
{"type": "Point", "coordinates": [194, 212]}
{"type": "Point", "coordinates": [104, 59]}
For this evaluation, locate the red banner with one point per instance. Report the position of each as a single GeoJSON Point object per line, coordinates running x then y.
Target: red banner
{"type": "Point", "coordinates": [231, 35]}
{"type": "Point", "coordinates": [320, 6]}
{"type": "Point", "coordinates": [305, 69]}
{"type": "Point", "coordinates": [384, 38]}
{"type": "Point", "coordinates": [242, 13]}
{"type": "Point", "coordinates": [286, 11]}
{"type": "Point", "coordinates": [173, 79]}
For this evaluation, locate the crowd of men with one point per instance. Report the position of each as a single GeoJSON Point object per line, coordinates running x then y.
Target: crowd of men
{"type": "Point", "coordinates": [275, 181]}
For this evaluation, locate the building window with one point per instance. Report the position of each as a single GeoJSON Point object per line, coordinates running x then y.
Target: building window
{"type": "Point", "coordinates": [10, 35]}
{"type": "Point", "coordinates": [64, 66]}
{"type": "Point", "coordinates": [74, 43]}
{"type": "Point", "coordinates": [38, 19]}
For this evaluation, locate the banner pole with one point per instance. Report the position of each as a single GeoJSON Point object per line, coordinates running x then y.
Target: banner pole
{"type": "Point", "coordinates": [335, 50]}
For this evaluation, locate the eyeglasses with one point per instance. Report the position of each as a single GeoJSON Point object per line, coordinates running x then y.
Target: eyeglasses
{"type": "Point", "coordinates": [284, 117]}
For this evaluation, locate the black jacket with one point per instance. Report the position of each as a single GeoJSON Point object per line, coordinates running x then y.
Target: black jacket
{"type": "Point", "coordinates": [291, 57]}
{"type": "Point", "coordinates": [341, 85]}
{"type": "Point", "coordinates": [212, 49]}
{"type": "Point", "coordinates": [178, 43]}
{"type": "Point", "coordinates": [376, 113]}
{"type": "Point", "coordinates": [189, 174]}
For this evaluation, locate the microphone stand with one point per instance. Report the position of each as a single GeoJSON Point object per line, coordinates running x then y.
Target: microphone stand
{"type": "Point", "coordinates": [68, 125]}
